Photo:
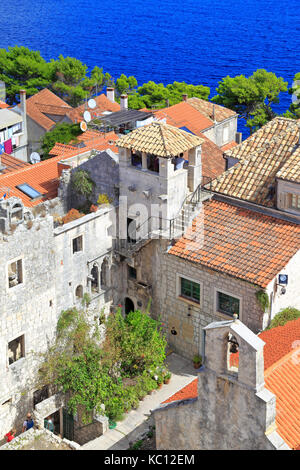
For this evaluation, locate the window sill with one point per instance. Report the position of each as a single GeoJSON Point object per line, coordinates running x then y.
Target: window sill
{"type": "Point", "coordinates": [17, 363]}
{"type": "Point", "coordinates": [191, 302]}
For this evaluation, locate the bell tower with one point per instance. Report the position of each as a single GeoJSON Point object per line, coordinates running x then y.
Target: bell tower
{"type": "Point", "coordinates": [159, 166]}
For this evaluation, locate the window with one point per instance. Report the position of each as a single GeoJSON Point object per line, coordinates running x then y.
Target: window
{"type": "Point", "coordinates": [29, 191]}
{"type": "Point", "coordinates": [77, 244]}
{"type": "Point", "coordinates": [40, 395]}
{"type": "Point", "coordinates": [190, 290]}
{"type": "Point", "coordinates": [295, 202]}
{"type": "Point", "coordinates": [15, 273]}
{"type": "Point", "coordinates": [227, 304]}
{"type": "Point", "coordinates": [131, 272]}
{"type": "Point", "coordinates": [225, 134]}
{"type": "Point", "coordinates": [16, 349]}
{"type": "Point", "coordinates": [79, 292]}
{"type": "Point", "coordinates": [153, 163]}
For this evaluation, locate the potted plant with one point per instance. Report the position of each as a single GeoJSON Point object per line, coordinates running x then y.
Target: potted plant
{"type": "Point", "coordinates": [197, 361]}
{"type": "Point", "coordinates": [167, 377]}
{"type": "Point", "coordinates": [160, 381]}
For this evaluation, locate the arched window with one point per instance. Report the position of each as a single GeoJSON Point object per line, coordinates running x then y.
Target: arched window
{"type": "Point", "coordinates": [95, 278]}
{"type": "Point", "coordinates": [104, 275]}
{"type": "Point", "coordinates": [79, 292]}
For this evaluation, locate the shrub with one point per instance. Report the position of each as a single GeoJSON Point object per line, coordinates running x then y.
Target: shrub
{"type": "Point", "coordinates": [263, 299]}
{"type": "Point", "coordinates": [82, 183]}
{"type": "Point", "coordinates": [103, 199]}
{"type": "Point", "coordinates": [197, 359]}
{"type": "Point", "coordinates": [285, 315]}
{"type": "Point", "coordinates": [73, 214]}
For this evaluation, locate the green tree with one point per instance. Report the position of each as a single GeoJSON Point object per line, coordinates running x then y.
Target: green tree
{"type": "Point", "coordinates": [251, 97]}
{"type": "Point", "coordinates": [126, 84]}
{"type": "Point", "coordinates": [21, 68]}
{"type": "Point", "coordinates": [285, 315]}
{"type": "Point", "coordinates": [92, 374]}
{"type": "Point", "coordinates": [62, 133]}
{"type": "Point", "coordinates": [82, 183]}
{"type": "Point", "coordinates": [294, 109]}
{"type": "Point", "coordinates": [153, 94]}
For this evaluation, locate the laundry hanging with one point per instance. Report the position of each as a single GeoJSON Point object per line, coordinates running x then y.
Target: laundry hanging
{"type": "Point", "coordinates": [8, 146]}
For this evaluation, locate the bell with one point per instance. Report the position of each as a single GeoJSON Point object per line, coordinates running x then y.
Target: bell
{"type": "Point", "coordinates": [233, 348]}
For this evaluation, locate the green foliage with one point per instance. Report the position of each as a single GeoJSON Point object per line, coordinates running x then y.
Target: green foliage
{"type": "Point", "coordinates": [62, 133]}
{"type": "Point", "coordinates": [251, 97]}
{"type": "Point", "coordinates": [92, 375]}
{"type": "Point", "coordinates": [103, 199]}
{"type": "Point", "coordinates": [263, 299]}
{"type": "Point", "coordinates": [82, 182]}
{"type": "Point", "coordinates": [197, 359]}
{"type": "Point", "coordinates": [294, 109]}
{"type": "Point", "coordinates": [21, 68]}
{"type": "Point", "coordinates": [137, 340]}
{"type": "Point", "coordinates": [153, 94]}
{"type": "Point", "coordinates": [285, 315]}
{"type": "Point", "coordinates": [126, 84]}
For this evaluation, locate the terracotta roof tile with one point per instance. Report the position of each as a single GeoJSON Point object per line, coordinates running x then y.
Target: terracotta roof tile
{"type": "Point", "coordinates": [184, 114]}
{"type": "Point", "coordinates": [160, 139]}
{"type": "Point", "coordinates": [11, 163]}
{"type": "Point", "coordinates": [261, 245]}
{"type": "Point", "coordinates": [208, 109]}
{"type": "Point", "coordinates": [270, 153]}
{"type": "Point", "coordinates": [282, 377]}
{"type": "Point", "coordinates": [103, 104]}
{"type": "Point", "coordinates": [189, 391]}
{"type": "Point", "coordinates": [40, 104]}
{"type": "Point", "coordinates": [93, 140]}
{"type": "Point", "coordinates": [3, 105]}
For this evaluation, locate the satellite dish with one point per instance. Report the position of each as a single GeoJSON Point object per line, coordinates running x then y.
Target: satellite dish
{"type": "Point", "coordinates": [83, 126]}
{"type": "Point", "coordinates": [35, 157]}
{"type": "Point", "coordinates": [92, 103]}
{"type": "Point", "coordinates": [87, 116]}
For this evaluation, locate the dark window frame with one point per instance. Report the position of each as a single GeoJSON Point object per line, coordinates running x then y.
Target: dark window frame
{"type": "Point", "coordinates": [232, 308]}
{"type": "Point", "coordinates": [186, 286]}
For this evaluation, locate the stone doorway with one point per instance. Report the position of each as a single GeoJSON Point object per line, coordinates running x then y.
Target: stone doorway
{"type": "Point", "coordinates": [129, 305]}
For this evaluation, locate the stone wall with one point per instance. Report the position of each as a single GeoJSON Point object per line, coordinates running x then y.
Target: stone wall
{"type": "Point", "coordinates": [233, 411]}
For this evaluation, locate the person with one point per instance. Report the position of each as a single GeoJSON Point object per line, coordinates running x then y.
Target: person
{"type": "Point", "coordinates": [28, 423]}
{"type": "Point", "coordinates": [10, 435]}
{"type": "Point", "coordinates": [49, 424]}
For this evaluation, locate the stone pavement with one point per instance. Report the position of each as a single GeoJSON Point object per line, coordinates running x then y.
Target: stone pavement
{"type": "Point", "coordinates": [137, 422]}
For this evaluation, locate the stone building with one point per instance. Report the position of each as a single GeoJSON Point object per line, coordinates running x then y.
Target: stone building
{"type": "Point", "coordinates": [245, 397]}
{"type": "Point", "coordinates": [196, 256]}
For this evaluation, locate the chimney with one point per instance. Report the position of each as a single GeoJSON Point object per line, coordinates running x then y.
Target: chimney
{"type": "Point", "coordinates": [124, 102]}
{"type": "Point", "coordinates": [184, 97]}
{"type": "Point", "coordinates": [110, 93]}
{"type": "Point", "coordinates": [238, 137]}
{"type": "Point", "coordinates": [24, 116]}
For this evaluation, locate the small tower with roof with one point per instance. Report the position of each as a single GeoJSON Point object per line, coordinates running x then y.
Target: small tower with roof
{"type": "Point", "coordinates": [160, 165]}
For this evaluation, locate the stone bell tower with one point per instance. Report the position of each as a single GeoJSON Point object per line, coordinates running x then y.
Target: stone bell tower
{"type": "Point", "coordinates": [160, 166]}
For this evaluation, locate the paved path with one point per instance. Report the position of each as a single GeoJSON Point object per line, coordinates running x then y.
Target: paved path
{"type": "Point", "coordinates": [137, 422]}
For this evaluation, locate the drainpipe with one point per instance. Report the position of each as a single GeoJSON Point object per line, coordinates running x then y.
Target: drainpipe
{"type": "Point", "coordinates": [24, 124]}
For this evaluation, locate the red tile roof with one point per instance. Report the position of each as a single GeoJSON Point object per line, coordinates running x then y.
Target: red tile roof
{"type": "Point", "coordinates": [3, 105]}
{"type": "Point", "coordinates": [103, 104]}
{"type": "Point", "coordinates": [45, 102]}
{"type": "Point", "coordinates": [44, 176]}
{"type": "Point", "coordinates": [11, 163]}
{"type": "Point", "coordinates": [189, 391]}
{"type": "Point", "coordinates": [92, 140]}
{"type": "Point", "coordinates": [228, 146]}
{"type": "Point", "coordinates": [282, 377]}
{"type": "Point", "coordinates": [184, 115]}
{"type": "Point", "coordinates": [242, 243]}
{"type": "Point", "coordinates": [213, 162]}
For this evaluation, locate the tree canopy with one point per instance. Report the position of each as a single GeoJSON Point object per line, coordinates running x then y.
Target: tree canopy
{"type": "Point", "coordinates": [21, 68]}
{"type": "Point", "coordinates": [62, 133]}
{"type": "Point", "coordinates": [294, 110]}
{"type": "Point", "coordinates": [153, 94]}
{"type": "Point", "coordinates": [117, 373]}
{"type": "Point", "coordinates": [251, 97]}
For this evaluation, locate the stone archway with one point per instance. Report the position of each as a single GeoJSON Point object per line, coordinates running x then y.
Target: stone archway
{"type": "Point", "coordinates": [129, 305]}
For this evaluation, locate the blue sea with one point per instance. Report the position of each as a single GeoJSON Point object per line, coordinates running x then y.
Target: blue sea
{"type": "Point", "coordinates": [196, 41]}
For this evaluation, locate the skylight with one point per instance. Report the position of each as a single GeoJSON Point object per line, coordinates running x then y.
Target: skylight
{"type": "Point", "coordinates": [29, 191]}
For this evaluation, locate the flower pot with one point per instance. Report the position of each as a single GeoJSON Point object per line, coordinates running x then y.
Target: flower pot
{"type": "Point", "coordinates": [197, 365]}
{"type": "Point", "coordinates": [166, 381]}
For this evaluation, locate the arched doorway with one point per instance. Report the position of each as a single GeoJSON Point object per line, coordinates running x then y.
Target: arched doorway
{"type": "Point", "coordinates": [129, 305]}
